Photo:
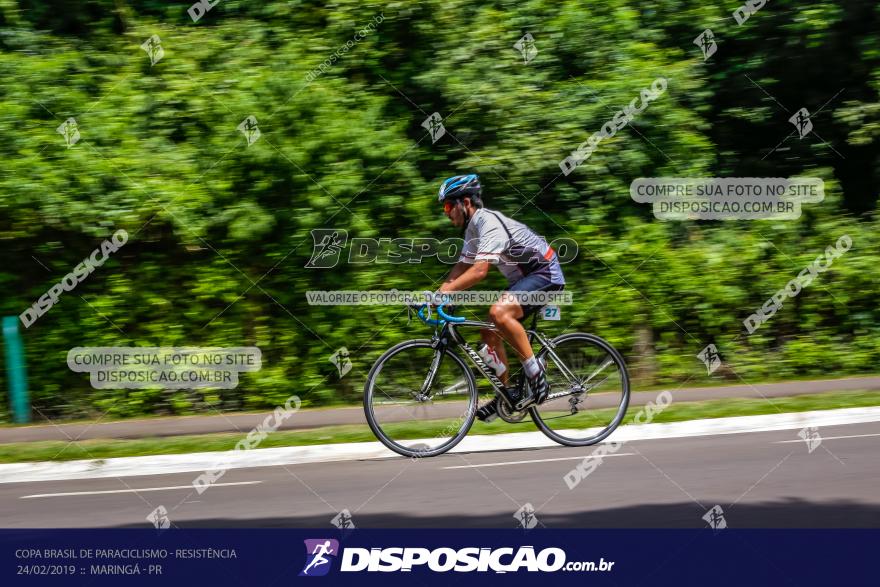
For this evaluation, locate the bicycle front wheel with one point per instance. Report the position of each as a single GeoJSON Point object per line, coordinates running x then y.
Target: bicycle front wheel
{"type": "Point", "coordinates": [589, 390]}
{"type": "Point", "coordinates": [420, 402]}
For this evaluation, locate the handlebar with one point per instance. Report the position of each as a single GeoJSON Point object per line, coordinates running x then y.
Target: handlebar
{"type": "Point", "coordinates": [443, 315]}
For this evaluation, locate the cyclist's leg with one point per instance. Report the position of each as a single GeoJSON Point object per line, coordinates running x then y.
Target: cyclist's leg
{"type": "Point", "coordinates": [540, 281]}
{"type": "Point", "coordinates": [506, 315]}
{"type": "Point", "coordinates": [495, 340]}
{"type": "Point", "coordinates": [496, 343]}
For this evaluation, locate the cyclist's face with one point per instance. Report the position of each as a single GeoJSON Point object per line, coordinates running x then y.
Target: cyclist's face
{"type": "Point", "coordinates": [454, 212]}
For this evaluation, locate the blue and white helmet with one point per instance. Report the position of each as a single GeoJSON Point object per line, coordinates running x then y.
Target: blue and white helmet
{"type": "Point", "coordinates": [460, 186]}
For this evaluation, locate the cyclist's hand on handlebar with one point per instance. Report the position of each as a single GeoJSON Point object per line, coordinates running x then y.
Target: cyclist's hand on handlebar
{"type": "Point", "coordinates": [435, 299]}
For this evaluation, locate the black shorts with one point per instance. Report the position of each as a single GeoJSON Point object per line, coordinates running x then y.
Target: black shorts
{"type": "Point", "coordinates": [537, 281]}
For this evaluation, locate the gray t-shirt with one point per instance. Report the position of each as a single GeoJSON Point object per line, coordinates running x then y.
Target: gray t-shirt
{"type": "Point", "coordinates": [514, 247]}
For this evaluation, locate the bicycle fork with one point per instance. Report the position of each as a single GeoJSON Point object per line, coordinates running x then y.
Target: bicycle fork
{"type": "Point", "coordinates": [424, 394]}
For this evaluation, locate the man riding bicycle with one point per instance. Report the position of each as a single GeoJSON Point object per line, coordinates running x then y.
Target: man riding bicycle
{"type": "Point", "coordinates": [524, 258]}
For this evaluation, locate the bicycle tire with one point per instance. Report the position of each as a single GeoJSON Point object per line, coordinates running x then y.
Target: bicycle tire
{"type": "Point", "coordinates": [377, 427]}
{"type": "Point", "coordinates": [621, 407]}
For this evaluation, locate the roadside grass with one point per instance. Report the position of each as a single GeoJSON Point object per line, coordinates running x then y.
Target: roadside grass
{"type": "Point", "coordinates": [676, 412]}
{"type": "Point", "coordinates": [483, 387]}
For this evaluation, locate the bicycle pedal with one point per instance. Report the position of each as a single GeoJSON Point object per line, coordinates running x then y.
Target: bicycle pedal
{"type": "Point", "coordinates": [530, 400]}
{"type": "Point", "coordinates": [489, 411]}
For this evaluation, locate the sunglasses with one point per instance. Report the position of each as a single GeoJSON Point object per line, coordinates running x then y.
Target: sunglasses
{"type": "Point", "coordinates": [448, 206]}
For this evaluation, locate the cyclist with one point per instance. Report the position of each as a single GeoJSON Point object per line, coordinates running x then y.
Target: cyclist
{"type": "Point", "coordinates": [524, 258]}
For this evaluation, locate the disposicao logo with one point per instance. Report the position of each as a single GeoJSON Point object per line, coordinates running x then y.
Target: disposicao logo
{"type": "Point", "coordinates": [320, 553]}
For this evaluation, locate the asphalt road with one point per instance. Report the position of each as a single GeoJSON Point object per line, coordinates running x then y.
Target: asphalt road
{"type": "Point", "coordinates": [766, 479]}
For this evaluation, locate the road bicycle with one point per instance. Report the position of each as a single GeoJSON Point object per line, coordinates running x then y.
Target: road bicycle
{"type": "Point", "coordinates": [420, 397]}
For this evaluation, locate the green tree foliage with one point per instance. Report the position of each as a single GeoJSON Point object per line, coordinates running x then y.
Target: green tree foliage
{"type": "Point", "coordinates": [220, 231]}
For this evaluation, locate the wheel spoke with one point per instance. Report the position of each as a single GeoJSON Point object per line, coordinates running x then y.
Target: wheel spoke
{"type": "Point", "coordinates": [601, 368]}
{"type": "Point", "coordinates": [402, 411]}
{"type": "Point", "coordinates": [595, 385]}
{"type": "Point", "coordinates": [572, 414]}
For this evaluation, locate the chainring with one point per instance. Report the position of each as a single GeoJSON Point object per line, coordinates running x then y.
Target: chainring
{"type": "Point", "coordinates": [510, 416]}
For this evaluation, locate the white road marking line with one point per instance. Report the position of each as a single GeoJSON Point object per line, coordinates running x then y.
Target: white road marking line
{"type": "Point", "coordinates": [829, 438]}
{"type": "Point", "coordinates": [133, 490]}
{"type": "Point", "coordinates": [623, 454]}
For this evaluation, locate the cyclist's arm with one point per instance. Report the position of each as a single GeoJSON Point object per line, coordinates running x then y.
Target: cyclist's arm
{"type": "Point", "coordinates": [456, 271]}
{"type": "Point", "coordinates": [465, 275]}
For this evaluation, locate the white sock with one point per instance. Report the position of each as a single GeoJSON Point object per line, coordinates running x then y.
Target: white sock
{"type": "Point", "coordinates": [532, 367]}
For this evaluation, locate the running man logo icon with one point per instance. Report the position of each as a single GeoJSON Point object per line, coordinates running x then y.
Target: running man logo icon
{"type": "Point", "coordinates": [811, 436]}
{"type": "Point", "coordinates": [70, 131]}
{"type": "Point", "coordinates": [710, 357]}
{"type": "Point", "coordinates": [526, 47]}
{"type": "Point", "coordinates": [317, 552]}
{"type": "Point", "coordinates": [328, 243]}
{"type": "Point", "coordinates": [159, 518]}
{"type": "Point", "coordinates": [153, 48]}
{"type": "Point", "coordinates": [715, 518]}
{"type": "Point", "coordinates": [434, 125]}
{"type": "Point", "coordinates": [706, 43]}
{"type": "Point", "coordinates": [343, 520]}
{"type": "Point", "coordinates": [801, 121]}
{"type": "Point", "coordinates": [341, 359]}
{"type": "Point", "coordinates": [250, 129]}
{"type": "Point", "coordinates": [526, 516]}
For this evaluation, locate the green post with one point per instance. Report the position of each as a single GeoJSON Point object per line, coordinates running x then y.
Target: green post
{"type": "Point", "coordinates": [15, 371]}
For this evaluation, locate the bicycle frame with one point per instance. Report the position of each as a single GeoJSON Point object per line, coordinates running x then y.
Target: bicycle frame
{"type": "Point", "coordinates": [447, 336]}
{"type": "Point", "coordinates": [449, 332]}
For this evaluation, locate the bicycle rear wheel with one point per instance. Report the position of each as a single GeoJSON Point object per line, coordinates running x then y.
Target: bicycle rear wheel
{"type": "Point", "coordinates": [420, 402]}
{"type": "Point", "coordinates": [589, 390]}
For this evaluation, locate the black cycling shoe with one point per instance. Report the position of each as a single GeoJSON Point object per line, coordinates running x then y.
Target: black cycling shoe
{"type": "Point", "coordinates": [538, 391]}
{"type": "Point", "coordinates": [489, 411]}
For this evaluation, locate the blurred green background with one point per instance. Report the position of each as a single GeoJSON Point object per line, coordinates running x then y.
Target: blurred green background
{"type": "Point", "coordinates": [220, 231]}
